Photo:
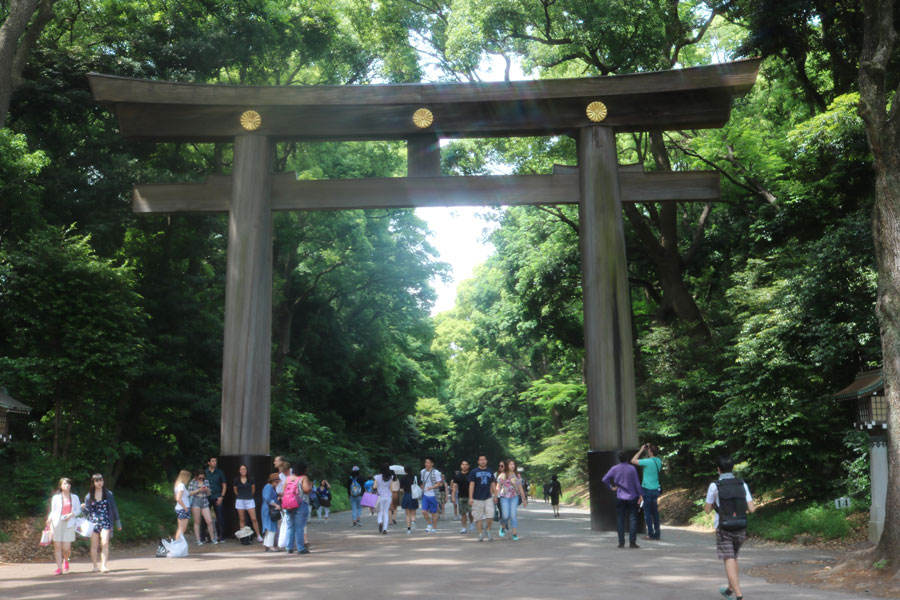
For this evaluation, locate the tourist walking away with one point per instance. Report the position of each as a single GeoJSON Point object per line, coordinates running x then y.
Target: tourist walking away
{"type": "Point", "coordinates": [555, 492]}
{"type": "Point", "coordinates": [64, 508]}
{"type": "Point", "coordinates": [431, 480]}
{"type": "Point", "coordinates": [198, 490]}
{"type": "Point", "coordinates": [295, 501]}
{"type": "Point", "coordinates": [650, 488]}
{"type": "Point", "coordinates": [511, 493]}
{"type": "Point", "coordinates": [395, 495]}
{"type": "Point", "coordinates": [100, 507]}
{"type": "Point", "coordinates": [271, 512]}
{"type": "Point", "coordinates": [217, 484]}
{"type": "Point", "coordinates": [483, 495]}
{"type": "Point", "coordinates": [355, 492]}
{"type": "Point", "coordinates": [623, 480]}
{"type": "Point", "coordinates": [730, 498]}
{"type": "Point", "coordinates": [323, 492]}
{"type": "Point", "coordinates": [407, 502]}
{"type": "Point", "coordinates": [244, 489]}
{"type": "Point", "coordinates": [284, 470]}
{"type": "Point", "coordinates": [460, 493]}
{"type": "Point", "coordinates": [383, 489]}
{"type": "Point", "coordinates": [182, 503]}
{"type": "Point", "coordinates": [547, 492]}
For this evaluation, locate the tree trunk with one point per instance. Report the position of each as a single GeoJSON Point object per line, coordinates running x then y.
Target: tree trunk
{"type": "Point", "coordinates": [883, 132]}
{"type": "Point", "coordinates": [17, 39]}
{"type": "Point", "coordinates": [662, 251]}
{"type": "Point", "coordinates": [57, 423]}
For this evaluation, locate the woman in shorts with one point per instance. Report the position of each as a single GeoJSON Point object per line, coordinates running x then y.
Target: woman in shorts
{"type": "Point", "coordinates": [64, 507]}
{"type": "Point", "coordinates": [182, 503]}
{"type": "Point", "coordinates": [198, 490]}
{"type": "Point", "coordinates": [244, 490]}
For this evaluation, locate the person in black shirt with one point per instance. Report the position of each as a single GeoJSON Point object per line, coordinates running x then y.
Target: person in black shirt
{"type": "Point", "coordinates": [460, 494]}
{"type": "Point", "coordinates": [483, 496]}
{"type": "Point", "coordinates": [244, 490]}
{"type": "Point", "coordinates": [555, 491]}
{"type": "Point", "coordinates": [407, 502]}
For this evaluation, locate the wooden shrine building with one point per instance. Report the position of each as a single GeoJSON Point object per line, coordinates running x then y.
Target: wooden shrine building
{"type": "Point", "coordinates": [591, 110]}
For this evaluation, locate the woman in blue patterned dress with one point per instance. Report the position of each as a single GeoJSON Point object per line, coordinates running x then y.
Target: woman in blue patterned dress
{"type": "Point", "coordinates": [100, 506]}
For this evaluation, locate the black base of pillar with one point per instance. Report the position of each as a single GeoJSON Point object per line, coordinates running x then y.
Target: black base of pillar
{"type": "Point", "coordinates": [259, 467]}
{"type": "Point", "coordinates": [603, 500]}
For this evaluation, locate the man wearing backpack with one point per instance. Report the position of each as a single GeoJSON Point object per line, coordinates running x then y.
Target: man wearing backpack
{"type": "Point", "coordinates": [355, 491]}
{"type": "Point", "coordinates": [731, 499]}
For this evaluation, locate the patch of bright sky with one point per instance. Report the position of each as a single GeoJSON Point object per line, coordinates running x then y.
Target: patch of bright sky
{"type": "Point", "coordinates": [458, 233]}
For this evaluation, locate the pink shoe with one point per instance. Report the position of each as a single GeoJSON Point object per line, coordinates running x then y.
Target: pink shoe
{"type": "Point", "coordinates": [65, 566]}
{"type": "Point", "coordinates": [57, 572]}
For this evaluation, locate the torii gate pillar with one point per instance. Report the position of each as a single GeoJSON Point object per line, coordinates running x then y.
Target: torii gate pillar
{"type": "Point", "coordinates": [247, 354]}
{"type": "Point", "coordinates": [609, 364]}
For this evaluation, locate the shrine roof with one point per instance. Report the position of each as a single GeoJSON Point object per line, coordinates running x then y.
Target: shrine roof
{"type": "Point", "coordinates": [11, 404]}
{"type": "Point", "coordinates": [699, 97]}
{"type": "Point", "coordinates": [865, 384]}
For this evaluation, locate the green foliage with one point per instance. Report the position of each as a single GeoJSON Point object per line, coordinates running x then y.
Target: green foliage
{"type": "Point", "coordinates": [784, 524]}
{"type": "Point", "coordinates": [145, 515]}
{"type": "Point", "coordinates": [857, 483]}
{"type": "Point", "coordinates": [19, 184]}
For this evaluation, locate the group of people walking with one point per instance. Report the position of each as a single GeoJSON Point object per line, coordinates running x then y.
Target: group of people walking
{"type": "Point", "coordinates": [479, 496]}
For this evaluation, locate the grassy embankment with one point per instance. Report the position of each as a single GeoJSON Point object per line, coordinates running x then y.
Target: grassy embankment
{"type": "Point", "coordinates": [775, 519]}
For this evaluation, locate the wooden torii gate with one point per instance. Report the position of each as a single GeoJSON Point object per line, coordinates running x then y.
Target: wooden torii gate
{"type": "Point", "coordinates": [591, 110]}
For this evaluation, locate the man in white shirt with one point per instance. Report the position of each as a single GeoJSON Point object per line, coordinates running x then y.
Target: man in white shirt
{"type": "Point", "coordinates": [431, 480]}
{"type": "Point", "coordinates": [729, 536]}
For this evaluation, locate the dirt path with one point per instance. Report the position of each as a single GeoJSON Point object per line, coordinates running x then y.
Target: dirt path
{"type": "Point", "coordinates": [555, 558]}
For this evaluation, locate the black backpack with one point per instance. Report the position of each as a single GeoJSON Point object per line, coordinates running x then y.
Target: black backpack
{"type": "Point", "coordinates": [732, 504]}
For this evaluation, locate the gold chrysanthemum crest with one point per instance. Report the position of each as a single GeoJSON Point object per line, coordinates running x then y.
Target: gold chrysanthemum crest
{"type": "Point", "coordinates": [423, 118]}
{"type": "Point", "coordinates": [596, 111]}
{"type": "Point", "coordinates": [250, 120]}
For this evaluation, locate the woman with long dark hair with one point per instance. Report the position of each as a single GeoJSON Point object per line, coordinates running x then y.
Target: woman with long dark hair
{"type": "Point", "coordinates": [510, 489]}
{"type": "Point", "coordinates": [100, 506]}
{"type": "Point", "coordinates": [385, 497]}
{"type": "Point", "coordinates": [198, 490]}
{"type": "Point", "coordinates": [408, 503]}
{"type": "Point", "coordinates": [555, 492]}
{"type": "Point", "coordinates": [244, 490]}
{"type": "Point", "coordinates": [64, 507]}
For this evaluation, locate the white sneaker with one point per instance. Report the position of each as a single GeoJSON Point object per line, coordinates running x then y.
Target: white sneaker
{"type": "Point", "coordinates": [463, 530]}
{"type": "Point", "coordinates": [428, 529]}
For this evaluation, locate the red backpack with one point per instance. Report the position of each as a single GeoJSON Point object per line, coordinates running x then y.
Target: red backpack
{"type": "Point", "coordinates": [291, 498]}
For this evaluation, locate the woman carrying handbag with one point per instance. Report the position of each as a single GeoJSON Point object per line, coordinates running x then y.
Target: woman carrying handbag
{"type": "Point", "coordinates": [64, 507]}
